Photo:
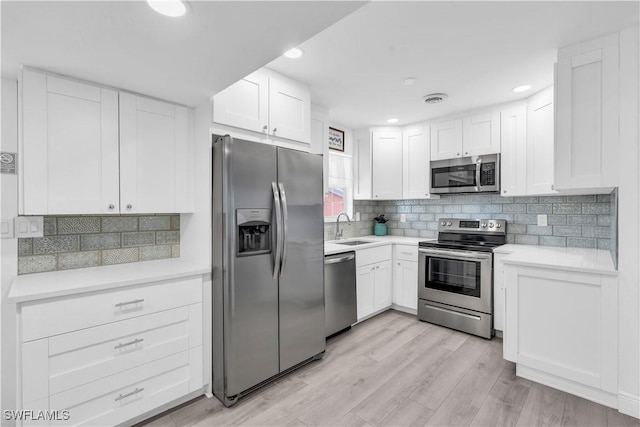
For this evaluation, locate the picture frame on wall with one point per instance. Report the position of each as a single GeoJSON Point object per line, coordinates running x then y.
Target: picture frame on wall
{"type": "Point", "coordinates": [336, 139]}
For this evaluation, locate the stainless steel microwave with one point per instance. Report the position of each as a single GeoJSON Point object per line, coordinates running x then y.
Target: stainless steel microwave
{"type": "Point", "coordinates": [475, 174]}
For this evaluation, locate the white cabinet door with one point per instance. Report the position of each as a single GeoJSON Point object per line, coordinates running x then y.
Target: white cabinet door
{"type": "Point", "coordinates": [362, 163]}
{"type": "Point", "coordinates": [154, 156]}
{"type": "Point", "coordinates": [498, 292]}
{"type": "Point", "coordinates": [387, 165]}
{"type": "Point", "coordinates": [540, 143]}
{"type": "Point", "coordinates": [446, 140]}
{"type": "Point", "coordinates": [383, 289]}
{"type": "Point", "coordinates": [587, 115]}
{"type": "Point", "coordinates": [575, 337]}
{"type": "Point", "coordinates": [416, 154]}
{"type": "Point", "coordinates": [69, 147]}
{"type": "Point", "coordinates": [365, 290]}
{"type": "Point", "coordinates": [481, 134]}
{"type": "Point", "coordinates": [513, 158]}
{"type": "Point", "coordinates": [405, 284]}
{"type": "Point", "coordinates": [244, 104]}
{"type": "Point", "coordinates": [289, 109]}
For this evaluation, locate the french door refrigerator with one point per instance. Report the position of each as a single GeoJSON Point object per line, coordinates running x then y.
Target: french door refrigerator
{"type": "Point", "coordinates": [268, 263]}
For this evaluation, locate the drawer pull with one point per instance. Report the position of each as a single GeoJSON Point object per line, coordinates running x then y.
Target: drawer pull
{"type": "Point", "coordinates": [406, 253]}
{"type": "Point", "coordinates": [136, 341]}
{"type": "Point", "coordinates": [135, 301]}
{"type": "Point", "coordinates": [124, 396]}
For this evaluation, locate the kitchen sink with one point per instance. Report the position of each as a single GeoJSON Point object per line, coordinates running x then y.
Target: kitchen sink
{"type": "Point", "coordinates": [354, 242]}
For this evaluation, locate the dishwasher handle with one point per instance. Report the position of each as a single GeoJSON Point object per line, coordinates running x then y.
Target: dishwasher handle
{"type": "Point", "coordinates": [336, 260]}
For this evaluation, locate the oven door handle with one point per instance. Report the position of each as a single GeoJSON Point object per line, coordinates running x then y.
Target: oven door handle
{"type": "Point", "coordinates": [455, 254]}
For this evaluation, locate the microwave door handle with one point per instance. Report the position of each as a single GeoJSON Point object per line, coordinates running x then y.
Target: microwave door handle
{"type": "Point", "coordinates": [478, 168]}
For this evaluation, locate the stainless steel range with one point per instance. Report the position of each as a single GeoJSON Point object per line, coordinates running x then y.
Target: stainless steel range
{"type": "Point", "coordinates": [455, 274]}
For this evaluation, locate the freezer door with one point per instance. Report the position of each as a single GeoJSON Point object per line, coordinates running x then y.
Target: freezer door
{"type": "Point", "coordinates": [302, 324]}
{"type": "Point", "coordinates": [248, 287]}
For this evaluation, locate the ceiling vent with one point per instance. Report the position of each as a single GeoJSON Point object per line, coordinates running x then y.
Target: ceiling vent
{"type": "Point", "coordinates": [434, 98]}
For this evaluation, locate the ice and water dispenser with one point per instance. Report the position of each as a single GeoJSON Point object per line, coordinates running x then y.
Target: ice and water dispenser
{"type": "Point", "coordinates": [253, 231]}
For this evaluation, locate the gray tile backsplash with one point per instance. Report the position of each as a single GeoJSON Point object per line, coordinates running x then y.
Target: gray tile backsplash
{"type": "Point", "coordinates": [573, 221]}
{"type": "Point", "coordinates": [71, 242]}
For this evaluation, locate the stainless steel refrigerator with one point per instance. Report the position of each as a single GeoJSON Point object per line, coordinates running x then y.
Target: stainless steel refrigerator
{"type": "Point", "coordinates": [268, 261]}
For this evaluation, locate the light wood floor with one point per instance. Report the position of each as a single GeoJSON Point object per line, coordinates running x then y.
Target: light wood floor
{"type": "Point", "coordinates": [393, 370]}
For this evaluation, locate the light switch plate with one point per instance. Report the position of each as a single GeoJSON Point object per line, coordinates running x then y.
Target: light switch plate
{"type": "Point", "coordinates": [542, 220]}
{"type": "Point", "coordinates": [403, 218]}
{"type": "Point", "coordinates": [28, 226]}
{"type": "Point", "coordinates": [357, 216]}
{"type": "Point", "coordinates": [6, 229]}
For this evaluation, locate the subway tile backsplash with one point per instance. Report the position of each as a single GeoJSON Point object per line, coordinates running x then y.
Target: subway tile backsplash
{"type": "Point", "coordinates": [573, 221]}
{"type": "Point", "coordinates": [71, 242]}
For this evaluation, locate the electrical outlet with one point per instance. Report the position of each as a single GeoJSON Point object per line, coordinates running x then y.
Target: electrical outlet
{"type": "Point", "coordinates": [28, 226]}
{"type": "Point", "coordinates": [357, 216]}
{"type": "Point", "coordinates": [403, 218]}
{"type": "Point", "coordinates": [6, 229]}
{"type": "Point", "coordinates": [542, 220]}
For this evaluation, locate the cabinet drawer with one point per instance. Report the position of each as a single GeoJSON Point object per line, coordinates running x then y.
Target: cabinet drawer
{"type": "Point", "coordinates": [373, 255]}
{"type": "Point", "coordinates": [120, 397]}
{"type": "Point", "coordinates": [405, 252]}
{"type": "Point", "coordinates": [84, 311]}
{"type": "Point", "coordinates": [90, 354]}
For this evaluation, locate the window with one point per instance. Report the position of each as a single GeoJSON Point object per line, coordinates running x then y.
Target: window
{"type": "Point", "coordinates": [338, 196]}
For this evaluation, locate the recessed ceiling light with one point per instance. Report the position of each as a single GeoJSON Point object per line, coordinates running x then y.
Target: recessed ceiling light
{"type": "Point", "coordinates": [392, 121]}
{"type": "Point", "coordinates": [408, 81]}
{"type": "Point", "coordinates": [522, 88]}
{"type": "Point", "coordinates": [173, 8]}
{"type": "Point", "coordinates": [294, 53]}
{"type": "Point", "coordinates": [434, 98]}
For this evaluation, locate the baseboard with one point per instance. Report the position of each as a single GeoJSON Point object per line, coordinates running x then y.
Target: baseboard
{"type": "Point", "coordinates": [629, 404]}
{"type": "Point", "coordinates": [595, 395]}
{"type": "Point", "coordinates": [404, 309]}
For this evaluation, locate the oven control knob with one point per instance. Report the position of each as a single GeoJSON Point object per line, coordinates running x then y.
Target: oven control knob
{"type": "Point", "coordinates": [491, 225]}
{"type": "Point", "coordinates": [443, 223]}
{"type": "Point", "coordinates": [484, 225]}
{"type": "Point", "coordinates": [448, 223]}
{"type": "Point", "coordinates": [498, 225]}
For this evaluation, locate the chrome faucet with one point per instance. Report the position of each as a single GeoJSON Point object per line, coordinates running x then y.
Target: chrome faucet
{"type": "Point", "coordinates": [338, 231]}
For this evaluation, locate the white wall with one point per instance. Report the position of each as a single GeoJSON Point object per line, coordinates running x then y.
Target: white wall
{"type": "Point", "coordinates": [8, 248]}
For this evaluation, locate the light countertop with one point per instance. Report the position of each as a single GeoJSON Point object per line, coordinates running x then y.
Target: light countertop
{"type": "Point", "coordinates": [331, 247]}
{"type": "Point", "coordinates": [31, 287]}
{"type": "Point", "coordinates": [597, 261]}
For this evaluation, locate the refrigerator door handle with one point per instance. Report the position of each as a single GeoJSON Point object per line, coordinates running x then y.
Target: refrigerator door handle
{"type": "Point", "coordinates": [278, 248]}
{"type": "Point", "coordinates": [285, 222]}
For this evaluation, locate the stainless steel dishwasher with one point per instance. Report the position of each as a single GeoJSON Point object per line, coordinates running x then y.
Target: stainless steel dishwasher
{"type": "Point", "coordinates": [339, 292]}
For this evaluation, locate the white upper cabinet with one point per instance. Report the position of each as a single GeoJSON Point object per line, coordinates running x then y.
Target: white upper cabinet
{"type": "Point", "coordinates": [362, 160]}
{"type": "Point", "coordinates": [587, 114]}
{"type": "Point", "coordinates": [244, 104]}
{"type": "Point", "coordinates": [416, 155]}
{"type": "Point", "coordinates": [481, 134]}
{"type": "Point", "coordinates": [540, 143]}
{"type": "Point", "coordinates": [69, 147]}
{"type": "Point", "coordinates": [446, 140]}
{"type": "Point", "coordinates": [513, 159]}
{"type": "Point", "coordinates": [269, 103]}
{"type": "Point", "coordinates": [470, 136]}
{"type": "Point", "coordinates": [387, 164]}
{"type": "Point", "coordinates": [155, 155]}
{"type": "Point", "coordinates": [90, 150]}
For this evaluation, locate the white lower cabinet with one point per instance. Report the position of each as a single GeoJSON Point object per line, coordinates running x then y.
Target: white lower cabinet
{"type": "Point", "coordinates": [405, 277]}
{"type": "Point", "coordinates": [561, 329]}
{"type": "Point", "coordinates": [374, 290]}
{"type": "Point", "coordinates": [138, 350]}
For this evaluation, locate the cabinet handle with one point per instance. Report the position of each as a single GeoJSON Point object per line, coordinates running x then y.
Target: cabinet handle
{"type": "Point", "coordinates": [552, 187]}
{"type": "Point", "coordinates": [135, 301]}
{"type": "Point", "coordinates": [466, 153]}
{"type": "Point", "coordinates": [426, 194]}
{"type": "Point", "coordinates": [275, 130]}
{"type": "Point", "coordinates": [129, 206]}
{"type": "Point", "coordinates": [504, 191]}
{"type": "Point", "coordinates": [377, 267]}
{"type": "Point", "coordinates": [458, 154]}
{"type": "Point", "coordinates": [112, 206]}
{"type": "Point", "coordinates": [127, 344]}
{"type": "Point", "coordinates": [264, 128]}
{"type": "Point", "coordinates": [406, 253]}
{"type": "Point", "coordinates": [124, 396]}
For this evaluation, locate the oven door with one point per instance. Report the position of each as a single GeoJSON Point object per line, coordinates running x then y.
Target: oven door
{"type": "Point", "coordinates": [458, 278]}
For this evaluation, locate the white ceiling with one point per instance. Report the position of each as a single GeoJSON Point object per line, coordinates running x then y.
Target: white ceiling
{"type": "Point", "coordinates": [127, 45]}
{"type": "Point", "coordinates": [476, 52]}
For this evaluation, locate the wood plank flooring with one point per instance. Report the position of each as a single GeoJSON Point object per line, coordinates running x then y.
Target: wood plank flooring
{"type": "Point", "coordinates": [393, 370]}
